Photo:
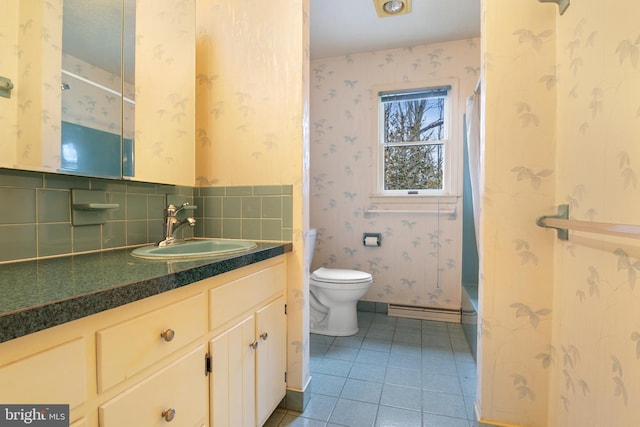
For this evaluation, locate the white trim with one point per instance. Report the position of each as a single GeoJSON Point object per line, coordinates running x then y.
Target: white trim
{"type": "Point", "coordinates": [452, 148]}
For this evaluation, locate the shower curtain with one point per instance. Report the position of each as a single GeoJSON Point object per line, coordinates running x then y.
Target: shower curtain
{"type": "Point", "coordinates": [474, 148]}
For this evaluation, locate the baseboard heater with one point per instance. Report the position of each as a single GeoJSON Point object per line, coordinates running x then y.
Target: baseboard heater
{"type": "Point", "coordinates": [424, 313]}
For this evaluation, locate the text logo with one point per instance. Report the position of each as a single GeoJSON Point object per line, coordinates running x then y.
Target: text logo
{"type": "Point", "coordinates": [34, 415]}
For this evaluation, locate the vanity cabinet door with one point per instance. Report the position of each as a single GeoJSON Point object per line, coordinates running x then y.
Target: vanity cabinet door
{"type": "Point", "coordinates": [232, 378]}
{"type": "Point", "coordinates": [175, 395]}
{"type": "Point", "coordinates": [271, 358]}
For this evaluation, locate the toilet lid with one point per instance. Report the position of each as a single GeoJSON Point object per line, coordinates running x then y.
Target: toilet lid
{"type": "Point", "coordinates": [338, 275]}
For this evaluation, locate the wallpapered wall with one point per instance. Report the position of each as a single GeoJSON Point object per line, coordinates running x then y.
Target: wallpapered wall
{"type": "Point", "coordinates": [419, 260]}
{"type": "Point", "coordinates": [516, 284]}
{"type": "Point", "coordinates": [252, 109]}
{"type": "Point", "coordinates": [596, 341]}
{"type": "Point", "coordinates": [559, 325]}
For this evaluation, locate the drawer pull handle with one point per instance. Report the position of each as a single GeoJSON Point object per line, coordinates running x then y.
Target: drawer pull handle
{"type": "Point", "coordinates": [168, 334]}
{"type": "Point", "coordinates": [169, 414]}
{"type": "Point", "coordinates": [254, 344]}
{"type": "Point", "coordinates": [264, 336]}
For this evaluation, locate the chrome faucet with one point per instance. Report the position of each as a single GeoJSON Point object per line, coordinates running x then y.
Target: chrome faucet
{"type": "Point", "coordinates": [173, 224]}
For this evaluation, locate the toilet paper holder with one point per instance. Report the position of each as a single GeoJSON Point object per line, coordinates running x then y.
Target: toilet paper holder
{"type": "Point", "coordinates": [372, 239]}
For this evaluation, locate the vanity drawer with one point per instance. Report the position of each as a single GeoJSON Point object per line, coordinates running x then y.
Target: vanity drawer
{"type": "Point", "coordinates": [128, 347]}
{"type": "Point", "coordinates": [235, 298]}
{"type": "Point", "coordinates": [56, 375]}
{"type": "Point", "coordinates": [181, 387]}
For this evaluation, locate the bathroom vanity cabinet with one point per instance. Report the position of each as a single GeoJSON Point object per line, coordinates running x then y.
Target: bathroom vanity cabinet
{"type": "Point", "coordinates": [248, 359]}
{"type": "Point", "coordinates": [198, 355]}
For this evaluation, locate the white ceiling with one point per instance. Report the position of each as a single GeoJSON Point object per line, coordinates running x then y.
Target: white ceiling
{"type": "Point", "coordinates": [340, 27]}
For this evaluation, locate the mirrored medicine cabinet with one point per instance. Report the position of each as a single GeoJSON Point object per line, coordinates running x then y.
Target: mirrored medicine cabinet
{"type": "Point", "coordinates": [77, 107]}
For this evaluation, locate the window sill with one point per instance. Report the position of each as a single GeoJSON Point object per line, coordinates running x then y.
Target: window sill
{"type": "Point", "coordinates": [444, 204]}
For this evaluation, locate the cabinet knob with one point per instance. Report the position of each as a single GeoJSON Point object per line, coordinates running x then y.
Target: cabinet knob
{"type": "Point", "coordinates": [254, 344]}
{"type": "Point", "coordinates": [168, 334]}
{"type": "Point", "coordinates": [169, 414]}
{"type": "Point", "coordinates": [264, 336]}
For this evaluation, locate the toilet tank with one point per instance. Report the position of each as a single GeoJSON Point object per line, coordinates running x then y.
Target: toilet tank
{"type": "Point", "coordinates": [311, 243]}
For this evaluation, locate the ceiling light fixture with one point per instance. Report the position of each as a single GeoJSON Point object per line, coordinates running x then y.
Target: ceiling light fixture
{"type": "Point", "coordinates": [393, 6]}
{"type": "Point", "coordinates": [386, 8]}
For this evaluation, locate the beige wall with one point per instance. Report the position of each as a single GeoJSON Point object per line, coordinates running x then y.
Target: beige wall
{"type": "Point", "coordinates": [596, 341]}
{"type": "Point", "coordinates": [251, 123]}
{"type": "Point", "coordinates": [9, 65]}
{"type": "Point", "coordinates": [165, 92]}
{"type": "Point", "coordinates": [419, 261]}
{"type": "Point", "coordinates": [559, 325]}
{"type": "Point", "coordinates": [516, 289]}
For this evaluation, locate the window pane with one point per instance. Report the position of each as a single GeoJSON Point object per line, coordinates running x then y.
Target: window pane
{"type": "Point", "coordinates": [413, 167]}
{"type": "Point", "coordinates": [414, 120]}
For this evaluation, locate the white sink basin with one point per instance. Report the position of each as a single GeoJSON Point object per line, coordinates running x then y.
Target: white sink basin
{"type": "Point", "coordinates": [195, 249]}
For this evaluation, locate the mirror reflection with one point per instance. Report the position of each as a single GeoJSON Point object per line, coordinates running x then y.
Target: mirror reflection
{"type": "Point", "coordinates": [97, 82]}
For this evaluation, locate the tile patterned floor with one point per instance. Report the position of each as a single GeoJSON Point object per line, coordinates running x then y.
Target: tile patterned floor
{"type": "Point", "coordinates": [394, 372]}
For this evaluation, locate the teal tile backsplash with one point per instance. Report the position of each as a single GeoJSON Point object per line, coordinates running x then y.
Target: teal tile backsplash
{"type": "Point", "coordinates": [39, 222]}
{"type": "Point", "coordinates": [245, 212]}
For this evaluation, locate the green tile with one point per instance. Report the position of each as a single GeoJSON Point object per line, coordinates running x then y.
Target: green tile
{"type": "Point", "coordinates": [267, 190]}
{"type": "Point", "coordinates": [287, 234]}
{"type": "Point", "coordinates": [155, 230]}
{"type": "Point", "coordinates": [239, 191]}
{"type": "Point", "coordinates": [170, 189]}
{"type": "Point", "coordinates": [53, 206]}
{"type": "Point", "coordinates": [140, 187]}
{"type": "Point", "coordinates": [24, 179]}
{"type": "Point", "coordinates": [136, 233]}
{"type": "Point", "coordinates": [121, 212]}
{"type": "Point", "coordinates": [251, 207]}
{"type": "Point", "coordinates": [136, 206]}
{"type": "Point", "coordinates": [54, 239]}
{"type": "Point", "coordinates": [272, 207]}
{"type": "Point", "coordinates": [185, 191]}
{"type": "Point", "coordinates": [66, 181]}
{"type": "Point", "coordinates": [114, 235]}
{"type": "Point", "coordinates": [212, 227]}
{"type": "Point", "coordinates": [22, 203]}
{"type": "Point", "coordinates": [231, 228]}
{"type": "Point", "coordinates": [198, 230]}
{"type": "Point", "coordinates": [199, 202]}
{"type": "Point", "coordinates": [232, 207]}
{"type": "Point", "coordinates": [366, 306]}
{"type": "Point", "coordinates": [287, 211]}
{"type": "Point", "coordinates": [251, 229]}
{"type": "Point", "coordinates": [110, 185]}
{"type": "Point", "coordinates": [212, 207]}
{"type": "Point", "coordinates": [87, 238]}
{"type": "Point", "coordinates": [18, 242]}
{"type": "Point", "coordinates": [212, 191]}
{"type": "Point", "coordinates": [155, 206]}
{"type": "Point", "coordinates": [271, 229]}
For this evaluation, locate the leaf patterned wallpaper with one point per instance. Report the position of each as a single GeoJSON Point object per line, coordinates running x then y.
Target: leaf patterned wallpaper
{"type": "Point", "coordinates": [559, 340]}
{"type": "Point", "coordinates": [419, 261]}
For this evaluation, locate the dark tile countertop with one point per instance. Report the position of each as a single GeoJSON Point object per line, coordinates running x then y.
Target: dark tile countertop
{"type": "Point", "coordinates": [36, 295]}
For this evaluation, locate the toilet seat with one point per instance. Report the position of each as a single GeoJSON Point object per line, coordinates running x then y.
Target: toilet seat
{"type": "Point", "coordinates": [326, 277]}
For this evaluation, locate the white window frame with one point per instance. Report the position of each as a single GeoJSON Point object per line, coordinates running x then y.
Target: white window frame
{"type": "Point", "coordinates": [452, 148]}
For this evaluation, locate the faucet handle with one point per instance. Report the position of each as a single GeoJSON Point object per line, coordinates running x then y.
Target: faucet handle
{"type": "Point", "coordinates": [172, 210]}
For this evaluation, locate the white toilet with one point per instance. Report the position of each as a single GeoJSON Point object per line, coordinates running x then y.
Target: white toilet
{"type": "Point", "coordinates": [333, 296]}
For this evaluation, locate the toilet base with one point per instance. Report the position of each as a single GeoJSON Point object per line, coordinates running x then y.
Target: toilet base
{"type": "Point", "coordinates": [334, 334]}
{"type": "Point", "coordinates": [338, 321]}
